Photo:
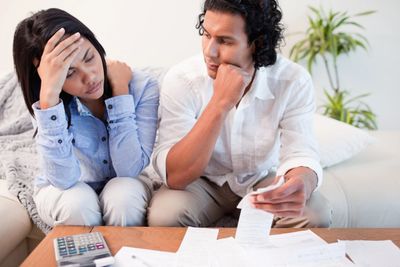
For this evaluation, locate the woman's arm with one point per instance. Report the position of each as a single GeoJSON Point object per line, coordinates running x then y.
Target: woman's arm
{"type": "Point", "coordinates": [132, 124]}
{"type": "Point", "coordinates": [59, 164]}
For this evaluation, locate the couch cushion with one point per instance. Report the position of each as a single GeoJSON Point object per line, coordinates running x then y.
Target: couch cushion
{"type": "Point", "coordinates": [338, 141]}
{"type": "Point", "coordinates": [15, 222]}
{"type": "Point", "coordinates": [365, 190]}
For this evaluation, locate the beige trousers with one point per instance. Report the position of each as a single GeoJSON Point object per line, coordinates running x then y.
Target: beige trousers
{"type": "Point", "coordinates": [203, 203]}
{"type": "Point", "coordinates": [122, 202]}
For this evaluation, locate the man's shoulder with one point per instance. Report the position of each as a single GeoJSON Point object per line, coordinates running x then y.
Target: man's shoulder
{"type": "Point", "coordinates": [286, 70]}
{"type": "Point", "coordinates": [190, 69]}
{"type": "Point", "coordinates": [142, 80]}
{"type": "Point", "coordinates": [189, 75]}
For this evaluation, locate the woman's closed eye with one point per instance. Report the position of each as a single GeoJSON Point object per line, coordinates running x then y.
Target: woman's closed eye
{"type": "Point", "coordinates": [70, 73]}
{"type": "Point", "coordinates": [89, 59]}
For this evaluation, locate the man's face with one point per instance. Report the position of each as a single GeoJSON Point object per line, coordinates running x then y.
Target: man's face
{"type": "Point", "coordinates": [225, 41]}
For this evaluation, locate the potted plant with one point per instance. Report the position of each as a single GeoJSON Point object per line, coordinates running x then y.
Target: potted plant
{"type": "Point", "coordinates": [325, 38]}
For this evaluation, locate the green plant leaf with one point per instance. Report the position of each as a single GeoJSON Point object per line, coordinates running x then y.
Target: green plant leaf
{"type": "Point", "coordinates": [365, 13]}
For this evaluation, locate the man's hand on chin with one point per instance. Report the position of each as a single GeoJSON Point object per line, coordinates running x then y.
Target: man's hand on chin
{"type": "Point", "coordinates": [289, 200]}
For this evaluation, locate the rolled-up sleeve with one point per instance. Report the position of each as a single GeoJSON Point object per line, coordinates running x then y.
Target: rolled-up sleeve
{"type": "Point", "coordinates": [177, 117]}
{"type": "Point", "coordinates": [298, 144]}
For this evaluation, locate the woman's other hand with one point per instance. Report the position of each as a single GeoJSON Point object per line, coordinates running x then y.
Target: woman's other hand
{"type": "Point", "coordinates": [119, 74]}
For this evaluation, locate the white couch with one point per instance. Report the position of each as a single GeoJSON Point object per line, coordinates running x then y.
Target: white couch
{"type": "Point", "coordinates": [18, 236]}
{"type": "Point", "coordinates": [363, 190]}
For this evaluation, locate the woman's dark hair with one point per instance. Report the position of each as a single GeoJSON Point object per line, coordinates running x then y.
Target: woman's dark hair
{"type": "Point", "coordinates": [30, 38]}
{"type": "Point", "coordinates": [263, 25]}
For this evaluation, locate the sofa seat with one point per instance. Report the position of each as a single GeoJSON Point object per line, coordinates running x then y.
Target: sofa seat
{"type": "Point", "coordinates": [365, 190]}
{"type": "Point", "coordinates": [18, 237]}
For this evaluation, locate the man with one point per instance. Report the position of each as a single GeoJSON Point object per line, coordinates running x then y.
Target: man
{"type": "Point", "coordinates": [229, 117]}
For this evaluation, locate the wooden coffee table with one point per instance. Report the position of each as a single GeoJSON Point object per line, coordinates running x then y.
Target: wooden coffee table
{"type": "Point", "coordinates": [169, 238]}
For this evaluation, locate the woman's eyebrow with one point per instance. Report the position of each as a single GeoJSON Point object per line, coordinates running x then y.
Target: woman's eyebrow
{"type": "Point", "coordinates": [86, 53]}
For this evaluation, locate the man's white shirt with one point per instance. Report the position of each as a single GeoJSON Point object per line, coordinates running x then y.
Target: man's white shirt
{"type": "Point", "coordinates": [271, 129]}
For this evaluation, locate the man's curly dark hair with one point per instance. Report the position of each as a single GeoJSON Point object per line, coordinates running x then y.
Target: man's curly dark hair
{"type": "Point", "coordinates": [263, 25]}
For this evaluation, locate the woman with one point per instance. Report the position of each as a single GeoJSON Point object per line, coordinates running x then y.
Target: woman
{"type": "Point", "coordinates": [96, 123]}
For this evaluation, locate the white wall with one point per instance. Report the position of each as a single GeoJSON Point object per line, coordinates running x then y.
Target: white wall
{"type": "Point", "coordinates": [375, 71]}
{"type": "Point", "coordinates": [161, 33]}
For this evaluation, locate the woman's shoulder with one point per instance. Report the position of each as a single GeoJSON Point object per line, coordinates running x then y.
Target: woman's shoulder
{"type": "Point", "coordinates": [143, 83]}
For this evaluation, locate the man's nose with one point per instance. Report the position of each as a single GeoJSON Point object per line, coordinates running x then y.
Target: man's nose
{"type": "Point", "coordinates": [211, 48]}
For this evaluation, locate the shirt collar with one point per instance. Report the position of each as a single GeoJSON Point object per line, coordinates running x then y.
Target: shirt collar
{"type": "Point", "coordinates": [260, 89]}
{"type": "Point", "coordinates": [82, 109]}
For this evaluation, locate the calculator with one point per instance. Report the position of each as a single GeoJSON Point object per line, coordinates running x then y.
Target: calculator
{"type": "Point", "coordinates": [89, 249]}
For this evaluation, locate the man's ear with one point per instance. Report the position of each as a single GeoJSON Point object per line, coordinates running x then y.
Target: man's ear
{"type": "Point", "coordinates": [253, 47]}
{"type": "Point", "coordinates": [36, 62]}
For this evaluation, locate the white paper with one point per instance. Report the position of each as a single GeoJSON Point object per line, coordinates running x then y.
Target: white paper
{"type": "Point", "coordinates": [253, 227]}
{"type": "Point", "coordinates": [305, 238]}
{"type": "Point", "coordinates": [245, 202]}
{"type": "Point", "coordinates": [227, 252]}
{"type": "Point", "coordinates": [197, 237]}
{"type": "Point", "coordinates": [193, 250]}
{"type": "Point", "coordinates": [321, 255]}
{"type": "Point", "coordinates": [373, 253]}
{"type": "Point", "coordinates": [128, 257]}
{"type": "Point", "coordinates": [255, 224]}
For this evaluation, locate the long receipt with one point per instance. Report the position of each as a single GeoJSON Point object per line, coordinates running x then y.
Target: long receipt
{"type": "Point", "coordinates": [255, 224]}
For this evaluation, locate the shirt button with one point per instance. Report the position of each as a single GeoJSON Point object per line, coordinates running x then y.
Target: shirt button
{"type": "Point", "coordinates": [111, 121]}
{"type": "Point", "coordinates": [53, 117]}
{"type": "Point", "coordinates": [103, 139]}
{"type": "Point", "coordinates": [59, 141]}
{"type": "Point", "coordinates": [110, 106]}
{"type": "Point", "coordinates": [105, 161]}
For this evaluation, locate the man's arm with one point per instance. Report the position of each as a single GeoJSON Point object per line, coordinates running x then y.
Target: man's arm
{"type": "Point", "coordinates": [299, 161]}
{"type": "Point", "coordinates": [188, 158]}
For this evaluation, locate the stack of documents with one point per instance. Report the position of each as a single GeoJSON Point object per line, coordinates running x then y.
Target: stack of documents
{"type": "Point", "coordinates": [298, 249]}
{"type": "Point", "coordinates": [254, 246]}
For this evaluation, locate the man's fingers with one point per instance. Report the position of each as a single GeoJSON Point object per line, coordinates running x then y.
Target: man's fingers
{"type": "Point", "coordinates": [288, 188]}
{"type": "Point", "coordinates": [289, 214]}
{"type": "Point", "coordinates": [295, 197]}
{"type": "Point", "coordinates": [53, 41]}
{"type": "Point", "coordinates": [282, 208]}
